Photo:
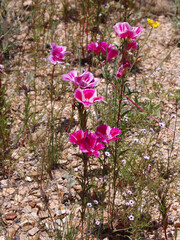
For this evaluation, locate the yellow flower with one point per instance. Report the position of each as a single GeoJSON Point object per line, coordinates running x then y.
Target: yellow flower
{"type": "Point", "coordinates": [153, 23]}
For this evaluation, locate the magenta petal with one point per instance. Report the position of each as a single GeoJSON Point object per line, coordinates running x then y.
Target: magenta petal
{"type": "Point", "coordinates": [78, 95]}
{"type": "Point", "coordinates": [112, 53]}
{"type": "Point", "coordinates": [100, 98]}
{"type": "Point", "coordinates": [89, 93]}
{"type": "Point", "coordinates": [76, 137]}
{"type": "Point", "coordinates": [115, 131]}
{"type": "Point", "coordinates": [69, 76]}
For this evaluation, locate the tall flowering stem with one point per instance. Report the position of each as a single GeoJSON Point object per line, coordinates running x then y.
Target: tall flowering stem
{"type": "Point", "coordinates": [82, 116]}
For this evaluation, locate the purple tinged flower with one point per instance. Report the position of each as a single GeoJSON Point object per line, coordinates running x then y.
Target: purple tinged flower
{"type": "Point", "coordinates": [124, 162]}
{"type": "Point", "coordinates": [57, 53]}
{"type": "Point", "coordinates": [146, 157]}
{"type": "Point", "coordinates": [131, 202]}
{"type": "Point", "coordinates": [106, 134]}
{"type": "Point", "coordinates": [88, 232]}
{"type": "Point", "coordinates": [127, 203]}
{"type": "Point", "coordinates": [107, 154]}
{"type": "Point", "coordinates": [89, 205]}
{"type": "Point", "coordinates": [70, 76]}
{"type": "Point", "coordinates": [86, 80]}
{"type": "Point", "coordinates": [162, 124]}
{"type": "Point", "coordinates": [124, 30]}
{"type": "Point", "coordinates": [97, 222]}
{"type": "Point", "coordinates": [131, 218]}
{"type": "Point", "coordinates": [96, 202]}
{"type": "Point", "coordinates": [129, 192]}
{"type": "Point", "coordinates": [87, 96]}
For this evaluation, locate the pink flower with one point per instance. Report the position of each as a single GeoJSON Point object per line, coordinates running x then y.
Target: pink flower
{"type": "Point", "coordinates": [106, 134]}
{"type": "Point", "coordinates": [57, 53]}
{"type": "Point", "coordinates": [94, 47]}
{"type": "Point", "coordinates": [122, 70]}
{"type": "Point", "coordinates": [87, 96]}
{"type": "Point", "coordinates": [105, 48]}
{"type": "Point", "coordinates": [77, 137]}
{"type": "Point", "coordinates": [86, 80]}
{"type": "Point", "coordinates": [90, 145]}
{"type": "Point", "coordinates": [70, 76]}
{"type": "Point", "coordinates": [124, 30]}
{"type": "Point", "coordinates": [112, 53]}
{"type": "Point", "coordinates": [132, 45]}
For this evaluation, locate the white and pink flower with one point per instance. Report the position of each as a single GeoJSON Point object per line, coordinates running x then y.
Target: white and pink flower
{"type": "Point", "coordinates": [124, 30]}
{"type": "Point", "coordinates": [87, 96]}
{"type": "Point", "coordinates": [57, 53]}
{"type": "Point", "coordinates": [85, 80]}
{"type": "Point", "coordinates": [70, 76]}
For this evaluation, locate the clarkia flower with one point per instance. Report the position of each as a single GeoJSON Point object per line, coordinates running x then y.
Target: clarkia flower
{"type": "Point", "coordinates": [70, 76]}
{"type": "Point", "coordinates": [152, 23]}
{"type": "Point", "coordinates": [106, 134]}
{"type": "Point", "coordinates": [88, 143]}
{"type": "Point", "coordinates": [91, 146]}
{"type": "Point", "coordinates": [57, 53]}
{"type": "Point", "coordinates": [132, 45]}
{"type": "Point", "coordinates": [122, 70]}
{"type": "Point", "coordinates": [77, 137]}
{"type": "Point", "coordinates": [105, 48]}
{"type": "Point", "coordinates": [87, 96]}
{"type": "Point", "coordinates": [94, 47]}
{"type": "Point", "coordinates": [86, 80]}
{"type": "Point", "coordinates": [124, 30]}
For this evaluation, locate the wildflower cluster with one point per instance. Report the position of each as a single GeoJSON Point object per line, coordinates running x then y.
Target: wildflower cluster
{"type": "Point", "coordinates": [91, 143]}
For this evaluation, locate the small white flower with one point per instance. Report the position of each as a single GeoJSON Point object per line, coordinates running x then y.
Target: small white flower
{"type": "Point", "coordinates": [107, 154]}
{"type": "Point", "coordinates": [100, 14]}
{"type": "Point", "coordinates": [143, 130]}
{"type": "Point", "coordinates": [131, 218]}
{"type": "Point", "coordinates": [126, 102]}
{"type": "Point", "coordinates": [162, 124]}
{"type": "Point", "coordinates": [131, 202]}
{"type": "Point", "coordinates": [88, 232]}
{"type": "Point", "coordinates": [173, 115]}
{"type": "Point", "coordinates": [89, 205]}
{"type": "Point", "coordinates": [146, 157]}
{"type": "Point", "coordinates": [96, 202]}
{"type": "Point", "coordinates": [129, 192]}
{"type": "Point", "coordinates": [127, 203]}
{"type": "Point", "coordinates": [124, 162]}
{"type": "Point", "coordinates": [137, 140]}
{"type": "Point", "coordinates": [152, 130]}
{"type": "Point", "coordinates": [100, 179]}
{"type": "Point", "coordinates": [125, 118]}
{"type": "Point", "coordinates": [97, 222]}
